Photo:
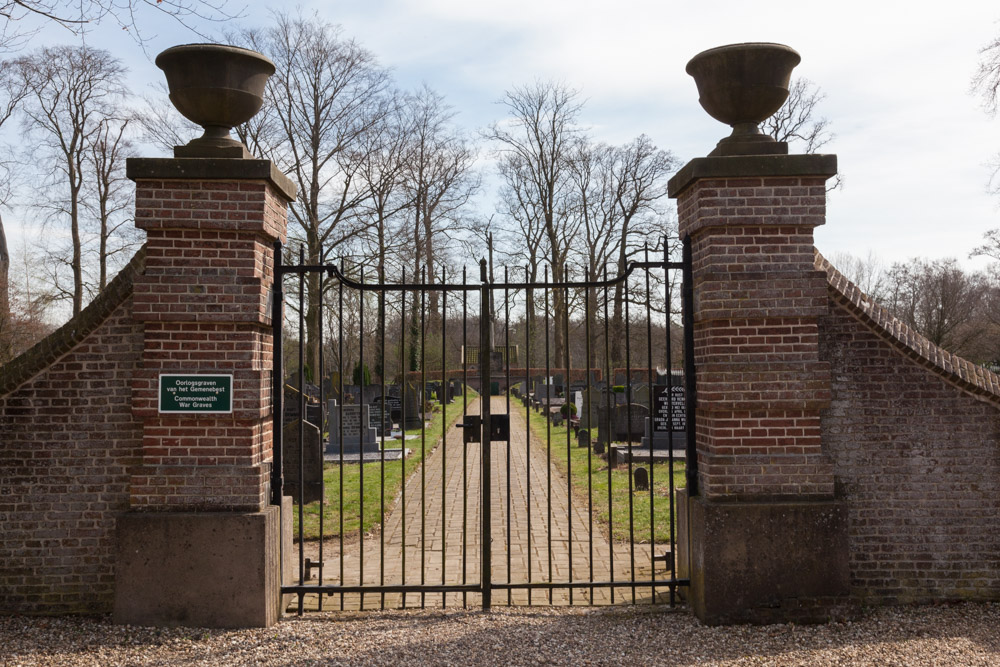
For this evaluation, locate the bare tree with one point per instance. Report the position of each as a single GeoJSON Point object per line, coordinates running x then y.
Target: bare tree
{"type": "Point", "coordinates": [617, 192]}
{"type": "Point", "coordinates": [534, 145]}
{"type": "Point", "coordinates": [320, 103]}
{"type": "Point", "coordinates": [438, 179]}
{"type": "Point", "coordinates": [639, 174]}
{"type": "Point", "coordinates": [381, 159]}
{"type": "Point", "coordinates": [24, 323]}
{"type": "Point", "coordinates": [798, 122]}
{"type": "Point", "coordinates": [109, 194]}
{"type": "Point", "coordinates": [940, 301]}
{"type": "Point", "coordinates": [72, 91]}
{"type": "Point", "coordinates": [986, 83]}
{"type": "Point", "coordinates": [23, 18]}
{"type": "Point", "coordinates": [868, 273]}
{"type": "Point", "coordinates": [13, 89]}
{"type": "Point", "coordinates": [986, 80]}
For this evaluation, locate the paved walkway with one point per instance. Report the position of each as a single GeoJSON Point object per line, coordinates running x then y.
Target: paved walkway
{"type": "Point", "coordinates": [530, 543]}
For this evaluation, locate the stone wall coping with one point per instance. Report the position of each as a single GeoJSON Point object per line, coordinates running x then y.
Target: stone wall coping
{"type": "Point", "coordinates": [40, 356]}
{"type": "Point", "coordinates": [751, 166]}
{"type": "Point", "coordinates": [217, 169]}
{"type": "Point", "coordinates": [971, 377]}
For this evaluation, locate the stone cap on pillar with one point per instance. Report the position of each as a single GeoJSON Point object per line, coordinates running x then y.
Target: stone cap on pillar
{"type": "Point", "coordinates": [751, 166]}
{"type": "Point", "coordinates": [211, 169]}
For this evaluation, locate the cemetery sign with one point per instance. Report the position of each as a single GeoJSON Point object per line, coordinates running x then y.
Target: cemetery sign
{"type": "Point", "coordinates": [196, 393]}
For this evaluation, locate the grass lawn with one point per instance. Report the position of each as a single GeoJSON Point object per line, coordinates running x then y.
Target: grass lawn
{"type": "Point", "coordinates": [350, 522]}
{"type": "Point", "coordinates": [596, 475]}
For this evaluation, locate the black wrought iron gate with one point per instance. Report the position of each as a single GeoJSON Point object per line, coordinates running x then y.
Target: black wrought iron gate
{"type": "Point", "coordinates": [526, 466]}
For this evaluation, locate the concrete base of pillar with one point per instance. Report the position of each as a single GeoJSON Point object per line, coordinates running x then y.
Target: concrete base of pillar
{"type": "Point", "coordinates": [764, 562]}
{"type": "Point", "coordinates": [199, 569]}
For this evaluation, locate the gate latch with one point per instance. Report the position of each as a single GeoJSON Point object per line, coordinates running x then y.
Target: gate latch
{"type": "Point", "coordinates": [472, 424]}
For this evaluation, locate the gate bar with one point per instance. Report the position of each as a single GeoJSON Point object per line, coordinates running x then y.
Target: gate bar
{"type": "Point", "coordinates": [485, 370]}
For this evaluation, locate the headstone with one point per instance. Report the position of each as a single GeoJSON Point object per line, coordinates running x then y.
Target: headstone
{"type": "Point", "coordinates": [629, 422]}
{"type": "Point", "coordinates": [384, 419]}
{"type": "Point", "coordinates": [544, 391]}
{"type": "Point", "coordinates": [358, 435]}
{"type": "Point", "coordinates": [592, 399]}
{"type": "Point", "coordinates": [669, 415]}
{"type": "Point", "coordinates": [352, 394]}
{"type": "Point", "coordinates": [559, 383]}
{"type": "Point", "coordinates": [621, 378]}
{"type": "Point", "coordinates": [412, 413]}
{"type": "Point", "coordinates": [313, 461]}
{"type": "Point", "coordinates": [556, 418]}
{"type": "Point", "coordinates": [641, 477]}
{"type": "Point", "coordinates": [641, 394]}
{"type": "Point", "coordinates": [583, 438]}
{"type": "Point", "coordinates": [291, 405]}
{"type": "Point", "coordinates": [598, 447]}
{"type": "Point", "coordinates": [370, 392]}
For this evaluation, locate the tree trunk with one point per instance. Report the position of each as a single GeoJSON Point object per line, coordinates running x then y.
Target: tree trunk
{"type": "Point", "coordinates": [74, 212]}
{"type": "Point", "coordinates": [4, 277]}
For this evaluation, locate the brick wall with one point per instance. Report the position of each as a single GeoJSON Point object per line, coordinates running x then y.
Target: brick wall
{"type": "Point", "coordinates": [68, 443]}
{"type": "Point", "coordinates": [914, 435]}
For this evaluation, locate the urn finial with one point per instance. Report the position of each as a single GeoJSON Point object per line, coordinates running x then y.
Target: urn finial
{"type": "Point", "coordinates": [742, 85]}
{"type": "Point", "coordinates": [218, 87]}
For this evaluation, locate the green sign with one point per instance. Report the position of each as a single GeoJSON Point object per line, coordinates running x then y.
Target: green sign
{"type": "Point", "coordinates": [196, 393]}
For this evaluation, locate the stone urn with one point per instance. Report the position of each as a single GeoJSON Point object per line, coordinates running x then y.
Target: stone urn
{"type": "Point", "coordinates": [218, 87]}
{"type": "Point", "coordinates": [742, 85]}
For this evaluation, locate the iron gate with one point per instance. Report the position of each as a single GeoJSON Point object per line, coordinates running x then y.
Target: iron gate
{"type": "Point", "coordinates": [507, 462]}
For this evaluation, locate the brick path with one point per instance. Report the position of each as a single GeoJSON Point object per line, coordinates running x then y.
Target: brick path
{"type": "Point", "coordinates": [445, 501]}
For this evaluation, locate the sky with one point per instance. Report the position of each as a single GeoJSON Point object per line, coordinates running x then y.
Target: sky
{"type": "Point", "coordinates": [913, 143]}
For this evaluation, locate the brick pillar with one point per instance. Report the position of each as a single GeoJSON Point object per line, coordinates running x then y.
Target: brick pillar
{"type": "Point", "coordinates": [767, 538]}
{"type": "Point", "coordinates": [201, 543]}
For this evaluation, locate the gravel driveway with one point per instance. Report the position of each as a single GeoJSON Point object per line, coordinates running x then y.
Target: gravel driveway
{"type": "Point", "coordinates": [963, 634]}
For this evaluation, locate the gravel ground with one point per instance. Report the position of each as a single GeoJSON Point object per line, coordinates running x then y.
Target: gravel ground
{"type": "Point", "coordinates": [962, 634]}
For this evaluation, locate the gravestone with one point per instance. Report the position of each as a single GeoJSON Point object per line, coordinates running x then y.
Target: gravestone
{"type": "Point", "coordinates": [583, 438]}
{"type": "Point", "coordinates": [291, 406]}
{"type": "Point", "coordinates": [669, 415]}
{"type": "Point", "coordinates": [358, 435]}
{"type": "Point", "coordinates": [385, 419]}
{"type": "Point", "coordinates": [559, 383]}
{"type": "Point", "coordinates": [592, 399]}
{"type": "Point", "coordinates": [621, 378]}
{"type": "Point", "coordinates": [546, 391]}
{"type": "Point", "coordinates": [412, 412]}
{"type": "Point", "coordinates": [641, 479]}
{"type": "Point", "coordinates": [313, 461]}
{"type": "Point", "coordinates": [352, 394]}
{"type": "Point", "coordinates": [628, 422]}
{"type": "Point", "coordinates": [641, 395]}
{"type": "Point", "coordinates": [369, 392]}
